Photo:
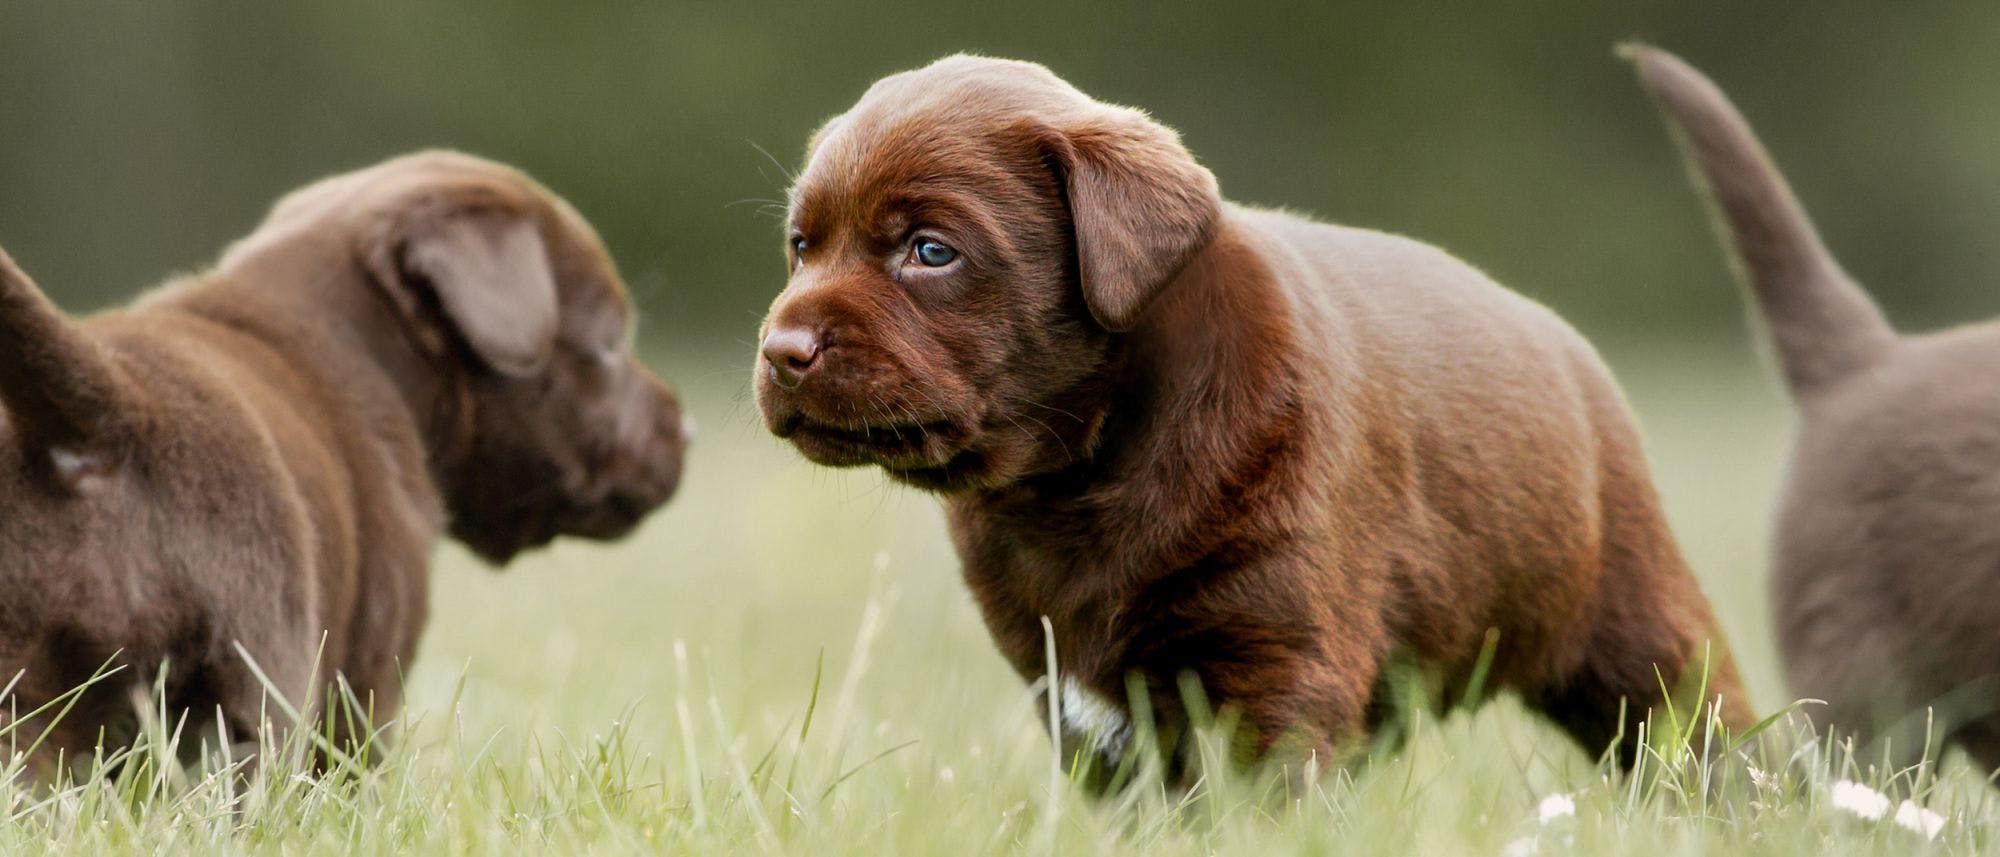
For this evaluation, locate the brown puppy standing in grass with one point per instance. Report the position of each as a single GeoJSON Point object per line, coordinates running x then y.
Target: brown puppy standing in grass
{"type": "Point", "coordinates": [265, 455]}
{"type": "Point", "coordinates": [1886, 562]}
{"type": "Point", "coordinates": [1210, 440]}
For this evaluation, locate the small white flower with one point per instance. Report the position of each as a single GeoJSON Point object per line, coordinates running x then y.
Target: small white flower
{"type": "Point", "coordinates": [1525, 846]}
{"type": "Point", "coordinates": [1554, 807]}
{"type": "Point", "coordinates": [1918, 819]}
{"type": "Point", "coordinates": [1860, 800]}
{"type": "Point", "coordinates": [1761, 779]}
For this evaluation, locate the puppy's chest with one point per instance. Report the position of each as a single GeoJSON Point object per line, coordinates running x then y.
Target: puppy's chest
{"type": "Point", "coordinates": [1019, 594]}
{"type": "Point", "coordinates": [1019, 580]}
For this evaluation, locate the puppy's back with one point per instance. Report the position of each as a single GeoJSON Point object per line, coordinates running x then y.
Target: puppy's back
{"type": "Point", "coordinates": [1434, 323]}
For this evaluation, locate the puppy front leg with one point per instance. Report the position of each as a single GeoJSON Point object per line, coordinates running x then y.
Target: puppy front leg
{"type": "Point", "coordinates": [262, 695]}
{"type": "Point", "coordinates": [1281, 715]}
{"type": "Point", "coordinates": [1299, 716]}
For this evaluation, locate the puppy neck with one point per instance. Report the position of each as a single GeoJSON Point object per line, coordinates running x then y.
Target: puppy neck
{"type": "Point", "coordinates": [319, 308]}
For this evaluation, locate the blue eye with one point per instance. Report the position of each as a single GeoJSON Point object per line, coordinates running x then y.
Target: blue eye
{"type": "Point", "coordinates": [799, 244]}
{"type": "Point", "coordinates": [933, 253]}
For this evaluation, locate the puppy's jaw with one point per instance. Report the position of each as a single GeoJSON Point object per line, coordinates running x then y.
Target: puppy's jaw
{"type": "Point", "coordinates": [946, 456]}
{"type": "Point", "coordinates": [619, 500]}
{"type": "Point", "coordinates": [500, 542]}
{"type": "Point", "coordinates": [601, 458]}
{"type": "Point", "coordinates": [831, 420]}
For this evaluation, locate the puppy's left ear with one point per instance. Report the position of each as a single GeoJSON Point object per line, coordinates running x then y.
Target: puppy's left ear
{"type": "Point", "coordinates": [489, 272]}
{"type": "Point", "coordinates": [1140, 205]}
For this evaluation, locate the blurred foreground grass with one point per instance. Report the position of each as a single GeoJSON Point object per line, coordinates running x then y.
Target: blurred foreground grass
{"type": "Point", "coordinates": [649, 697]}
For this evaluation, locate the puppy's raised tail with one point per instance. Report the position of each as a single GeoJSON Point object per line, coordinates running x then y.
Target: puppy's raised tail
{"type": "Point", "coordinates": [59, 388]}
{"type": "Point", "coordinates": [1823, 327]}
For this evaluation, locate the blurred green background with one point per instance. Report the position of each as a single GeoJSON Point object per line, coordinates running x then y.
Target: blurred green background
{"type": "Point", "coordinates": [140, 138]}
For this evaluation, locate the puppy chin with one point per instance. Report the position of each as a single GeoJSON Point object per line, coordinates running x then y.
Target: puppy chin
{"type": "Point", "coordinates": [822, 449]}
{"type": "Point", "coordinates": [951, 478]}
{"type": "Point", "coordinates": [941, 456]}
{"type": "Point", "coordinates": [893, 446]}
{"type": "Point", "coordinates": [855, 440]}
{"type": "Point", "coordinates": [499, 545]}
{"type": "Point", "coordinates": [987, 460]}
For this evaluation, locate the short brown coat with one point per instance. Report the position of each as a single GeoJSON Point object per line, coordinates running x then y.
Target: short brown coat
{"type": "Point", "coordinates": [1208, 439]}
{"type": "Point", "coordinates": [259, 460]}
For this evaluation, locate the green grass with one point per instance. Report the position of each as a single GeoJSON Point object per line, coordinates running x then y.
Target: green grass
{"type": "Point", "coordinates": [785, 661]}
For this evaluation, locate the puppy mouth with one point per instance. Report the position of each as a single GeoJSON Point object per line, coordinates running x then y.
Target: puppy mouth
{"type": "Point", "coordinates": [916, 444]}
{"type": "Point", "coordinates": [636, 487]}
{"type": "Point", "coordinates": [610, 514]}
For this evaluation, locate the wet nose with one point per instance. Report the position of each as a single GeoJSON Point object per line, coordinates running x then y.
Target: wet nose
{"type": "Point", "coordinates": [791, 351]}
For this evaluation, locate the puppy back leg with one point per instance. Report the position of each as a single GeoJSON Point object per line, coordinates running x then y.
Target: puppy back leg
{"type": "Point", "coordinates": [1648, 635]}
{"type": "Point", "coordinates": [1632, 676]}
{"type": "Point", "coordinates": [1981, 740]}
{"type": "Point", "coordinates": [59, 387]}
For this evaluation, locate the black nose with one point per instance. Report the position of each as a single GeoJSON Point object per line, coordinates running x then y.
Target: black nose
{"type": "Point", "coordinates": [791, 351]}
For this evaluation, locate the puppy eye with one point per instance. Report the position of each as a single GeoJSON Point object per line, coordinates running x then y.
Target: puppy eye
{"type": "Point", "coordinates": [799, 244]}
{"type": "Point", "coordinates": [933, 253]}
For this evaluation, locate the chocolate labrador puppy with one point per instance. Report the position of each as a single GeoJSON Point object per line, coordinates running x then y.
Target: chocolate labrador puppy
{"type": "Point", "coordinates": [1886, 562]}
{"type": "Point", "coordinates": [1216, 442]}
{"type": "Point", "coordinates": [254, 464]}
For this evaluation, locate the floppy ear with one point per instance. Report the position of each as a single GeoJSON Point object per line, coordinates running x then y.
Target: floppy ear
{"type": "Point", "coordinates": [1140, 205]}
{"type": "Point", "coordinates": [491, 277]}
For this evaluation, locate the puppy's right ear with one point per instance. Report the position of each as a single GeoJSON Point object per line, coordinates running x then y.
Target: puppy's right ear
{"type": "Point", "coordinates": [1140, 205]}
{"type": "Point", "coordinates": [486, 271]}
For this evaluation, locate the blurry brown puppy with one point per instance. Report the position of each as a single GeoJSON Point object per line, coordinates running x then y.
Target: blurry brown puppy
{"type": "Point", "coordinates": [265, 455]}
{"type": "Point", "coordinates": [1886, 562]}
{"type": "Point", "coordinates": [1214, 441]}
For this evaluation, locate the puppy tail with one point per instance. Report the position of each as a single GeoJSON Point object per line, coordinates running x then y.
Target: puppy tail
{"type": "Point", "coordinates": [58, 387]}
{"type": "Point", "coordinates": [1822, 325]}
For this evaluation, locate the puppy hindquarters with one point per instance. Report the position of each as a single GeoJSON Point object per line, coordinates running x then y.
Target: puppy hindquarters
{"type": "Point", "coordinates": [1879, 496]}
{"type": "Point", "coordinates": [1530, 511]}
{"type": "Point", "coordinates": [1649, 638]}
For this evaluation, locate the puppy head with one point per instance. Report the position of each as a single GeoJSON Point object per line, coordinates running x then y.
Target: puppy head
{"type": "Point", "coordinates": [547, 423]}
{"type": "Point", "coordinates": [967, 245]}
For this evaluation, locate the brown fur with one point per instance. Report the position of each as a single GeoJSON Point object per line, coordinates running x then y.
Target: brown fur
{"type": "Point", "coordinates": [265, 455]}
{"type": "Point", "coordinates": [1886, 562]}
{"type": "Point", "coordinates": [1209, 440]}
